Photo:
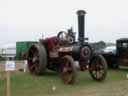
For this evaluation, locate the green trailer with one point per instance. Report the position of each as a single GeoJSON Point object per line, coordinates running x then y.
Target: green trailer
{"type": "Point", "coordinates": [22, 49]}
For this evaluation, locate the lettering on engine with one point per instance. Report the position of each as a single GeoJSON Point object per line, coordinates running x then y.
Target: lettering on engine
{"type": "Point", "coordinates": [65, 49]}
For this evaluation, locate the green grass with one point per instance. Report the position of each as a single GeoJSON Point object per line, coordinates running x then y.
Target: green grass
{"type": "Point", "coordinates": [24, 84]}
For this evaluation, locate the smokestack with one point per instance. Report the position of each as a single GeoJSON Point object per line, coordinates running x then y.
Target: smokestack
{"type": "Point", "coordinates": [81, 15]}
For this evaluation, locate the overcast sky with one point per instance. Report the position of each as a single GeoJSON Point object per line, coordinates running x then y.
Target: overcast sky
{"type": "Point", "coordinates": [28, 19]}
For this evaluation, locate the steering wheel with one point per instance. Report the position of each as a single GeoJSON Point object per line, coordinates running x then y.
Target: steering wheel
{"type": "Point", "coordinates": [66, 38]}
{"type": "Point", "coordinates": [62, 37]}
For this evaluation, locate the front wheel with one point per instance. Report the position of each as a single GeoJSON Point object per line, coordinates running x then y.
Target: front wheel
{"type": "Point", "coordinates": [67, 70]}
{"type": "Point", "coordinates": [98, 66]}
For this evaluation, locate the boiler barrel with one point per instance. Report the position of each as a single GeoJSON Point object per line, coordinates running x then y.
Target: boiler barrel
{"type": "Point", "coordinates": [76, 51]}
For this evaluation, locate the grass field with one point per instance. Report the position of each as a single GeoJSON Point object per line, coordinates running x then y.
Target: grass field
{"type": "Point", "coordinates": [24, 84]}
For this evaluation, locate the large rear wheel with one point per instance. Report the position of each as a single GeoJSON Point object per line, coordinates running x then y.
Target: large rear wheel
{"type": "Point", "coordinates": [98, 68]}
{"type": "Point", "coordinates": [37, 59]}
{"type": "Point", "coordinates": [67, 70]}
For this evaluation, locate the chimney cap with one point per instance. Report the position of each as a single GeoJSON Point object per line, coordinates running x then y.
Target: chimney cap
{"type": "Point", "coordinates": [81, 12]}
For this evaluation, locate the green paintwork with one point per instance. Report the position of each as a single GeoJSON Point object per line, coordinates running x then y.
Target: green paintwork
{"type": "Point", "coordinates": [22, 48]}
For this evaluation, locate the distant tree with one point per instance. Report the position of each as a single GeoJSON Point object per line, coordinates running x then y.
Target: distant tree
{"type": "Point", "coordinates": [98, 45]}
{"type": "Point", "coordinates": [101, 44]}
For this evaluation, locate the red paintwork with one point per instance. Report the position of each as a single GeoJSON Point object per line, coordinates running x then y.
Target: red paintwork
{"type": "Point", "coordinates": [52, 42]}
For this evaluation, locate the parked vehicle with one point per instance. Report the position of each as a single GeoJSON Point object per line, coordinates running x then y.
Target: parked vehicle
{"type": "Point", "coordinates": [119, 56]}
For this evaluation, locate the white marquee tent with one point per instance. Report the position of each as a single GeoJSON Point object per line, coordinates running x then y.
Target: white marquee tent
{"type": "Point", "coordinates": [8, 50]}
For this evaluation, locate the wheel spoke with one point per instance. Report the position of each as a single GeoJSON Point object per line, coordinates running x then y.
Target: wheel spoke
{"type": "Point", "coordinates": [101, 72]}
{"type": "Point", "coordinates": [32, 67]}
{"type": "Point", "coordinates": [32, 52]}
{"type": "Point", "coordinates": [94, 73]}
{"type": "Point", "coordinates": [36, 54]}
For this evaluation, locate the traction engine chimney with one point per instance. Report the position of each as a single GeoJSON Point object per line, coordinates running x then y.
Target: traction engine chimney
{"type": "Point", "coordinates": [81, 15]}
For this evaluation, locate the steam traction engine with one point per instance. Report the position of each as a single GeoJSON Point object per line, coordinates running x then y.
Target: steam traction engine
{"type": "Point", "coordinates": [61, 53]}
